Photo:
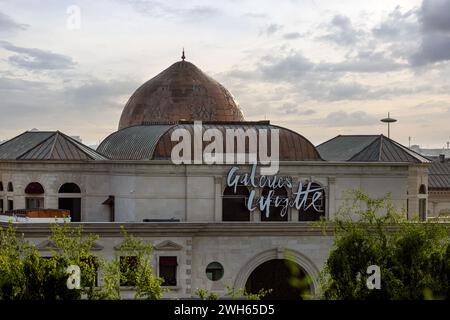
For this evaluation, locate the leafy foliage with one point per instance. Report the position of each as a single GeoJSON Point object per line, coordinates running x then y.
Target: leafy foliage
{"type": "Point", "coordinates": [414, 257]}
{"type": "Point", "coordinates": [141, 275]}
{"type": "Point", "coordinates": [205, 294]}
{"type": "Point", "coordinates": [26, 275]}
{"type": "Point", "coordinates": [234, 294]}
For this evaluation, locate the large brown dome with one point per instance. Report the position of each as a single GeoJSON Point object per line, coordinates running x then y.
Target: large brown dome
{"type": "Point", "coordinates": [182, 91]}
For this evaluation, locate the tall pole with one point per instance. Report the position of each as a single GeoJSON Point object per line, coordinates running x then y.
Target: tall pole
{"type": "Point", "coordinates": [389, 127]}
{"type": "Point", "coordinates": [388, 120]}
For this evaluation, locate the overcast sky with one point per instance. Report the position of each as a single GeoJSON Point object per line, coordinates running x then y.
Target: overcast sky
{"type": "Point", "coordinates": [320, 67]}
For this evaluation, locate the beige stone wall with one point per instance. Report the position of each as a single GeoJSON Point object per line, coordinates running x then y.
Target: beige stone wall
{"type": "Point", "coordinates": [108, 248]}
{"type": "Point", "coordinates": [160, 190]}
{"type": "Point", "coordinates": [418, 175]}
{"type": "Point", "coordinates": [241, 255]}
{"type": "Point", "coordinates": [193, 194]}
{"type": "Point", "coordinates": [244, 247]}
{"type": "Point", "coordinates": [439, 203]}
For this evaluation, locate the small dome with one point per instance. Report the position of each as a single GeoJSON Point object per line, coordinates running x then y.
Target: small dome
{"type": "Point", "coordinates": [181, 92]}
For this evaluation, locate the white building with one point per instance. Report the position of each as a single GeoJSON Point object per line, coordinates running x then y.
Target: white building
{"type": "Point", "coordinates": [204, 235]}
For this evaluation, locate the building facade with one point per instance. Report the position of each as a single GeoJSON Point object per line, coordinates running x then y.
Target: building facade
{"type": "Point", "coordinates": [204, 233]}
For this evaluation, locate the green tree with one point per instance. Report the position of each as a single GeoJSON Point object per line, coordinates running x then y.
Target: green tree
{"type": "Point", "coordinates": [25, 275]}
{"type": "Point", "coordinates": [140, 273]}
{"type": "Point", "coordinates": [13, 253]}
{"type": "Point", "coordinates": [234, 294]}
{"type": "Point", "coordinates": [414, 257]}
{"type": "Point", "coordinates": [71, 247]}
{"type": "Point", "coordinates": [204, 294]}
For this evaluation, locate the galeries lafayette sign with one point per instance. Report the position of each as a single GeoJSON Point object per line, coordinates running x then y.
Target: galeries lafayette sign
{"type": "Point", "coordinates": [304, 196]}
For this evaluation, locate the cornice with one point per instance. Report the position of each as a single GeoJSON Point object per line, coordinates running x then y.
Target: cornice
{"type": "Point", "coordinates": [181, 229]}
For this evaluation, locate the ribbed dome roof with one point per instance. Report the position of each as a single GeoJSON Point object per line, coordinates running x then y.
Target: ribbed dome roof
{"type": "Point", "coordinates": [153, 142]}
{"type": "Point", "coordinates": [181, 92]}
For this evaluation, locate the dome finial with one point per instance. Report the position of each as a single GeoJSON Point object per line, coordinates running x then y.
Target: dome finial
{"type": "Point", "coordinates": [183, 57]}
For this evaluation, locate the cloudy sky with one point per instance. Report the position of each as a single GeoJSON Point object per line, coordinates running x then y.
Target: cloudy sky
{"type": "Point", "coordinates": [320, 67]}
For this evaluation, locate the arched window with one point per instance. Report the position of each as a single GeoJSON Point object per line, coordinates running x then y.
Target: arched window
{"type": "Point", "coordinates": [423, 202]}
{"type": "Point", "coordinates": [309, 212]}
{"type": "Point", "coordinates": [34, 188]}
{"type": "Point", "coordinates": [70, 199]}
{"type": "Point", "coordinates": [1, 186]}
{"type": "Point", "coordinates": [234, 204]}
{"type": "Point", "coordinates": [69, 188]}
{"type": "Point", "coordinates": [423, 189]}
{"type": "Point", "coordinates": [36, 201]}
{"type": "Point", "coordinates": [275, 213]}
{"type": "Point", "coordinates": [10, 187]}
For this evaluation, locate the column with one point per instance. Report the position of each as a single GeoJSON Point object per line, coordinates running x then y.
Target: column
{"type": "Point", "coordinates": [218, 199]}
{"type": "Point", "coordinates": [331, 198]}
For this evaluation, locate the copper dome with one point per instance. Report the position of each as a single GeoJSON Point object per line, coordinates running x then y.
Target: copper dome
{"type": "Point", "coordinates": [182, 91]}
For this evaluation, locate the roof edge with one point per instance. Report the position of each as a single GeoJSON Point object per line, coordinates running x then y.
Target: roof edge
{"type": "Point", "coordinates": [48, 138]}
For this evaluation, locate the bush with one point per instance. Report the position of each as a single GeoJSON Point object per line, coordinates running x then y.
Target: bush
{"type": "Point", "coordinates": [26, 275]}
{"type": "Point", "coordinates": [414, 257]}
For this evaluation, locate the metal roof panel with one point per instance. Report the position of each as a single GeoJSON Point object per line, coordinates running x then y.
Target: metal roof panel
{"type": "Point", "coordinates": [342, 148]}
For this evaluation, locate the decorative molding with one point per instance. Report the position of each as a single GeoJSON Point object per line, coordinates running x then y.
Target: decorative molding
{"type": "Point", "coordinates": [182, 229]}
{"type": "Point", "coordinates": [118, 246]}
{"type": "Point", "coordinates": [280, 253]}
{"type": "Point", "coordinates": [48, 245]}
{"type": "Point", "coordinates": [168, 246]}
{"type": "Point", "coordinates": [302, 260]}
{"type": "Point", "coordinates": [96, 247]}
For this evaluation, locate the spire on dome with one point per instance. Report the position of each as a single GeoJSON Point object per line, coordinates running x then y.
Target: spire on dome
{"type": "Point", "coordinates": [183, 57]}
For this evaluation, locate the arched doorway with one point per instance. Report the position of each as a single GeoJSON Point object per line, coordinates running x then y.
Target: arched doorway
{"type": "Point", "coordinates": [423, 202]}
{"type": "Point", "coordinates": [286, 278]}
{"type": "Point", "coordinates": [69, 198]}
{"type": "Point", "coordinates": [34, 199]}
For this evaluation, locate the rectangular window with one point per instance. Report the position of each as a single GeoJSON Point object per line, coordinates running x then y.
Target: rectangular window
{"type": "Point", "coordinates": [168, 270]}
{"type": "Point", "coordinates": [10, 205]}
{"type": "Point", "coordinates": [34, 203]}
{"type": "Point", "coordinates": [1, 205]}
{"type": "Point", "coordinates": [89, 271]}
{"type": "Point", "coordinates": [128, 266]}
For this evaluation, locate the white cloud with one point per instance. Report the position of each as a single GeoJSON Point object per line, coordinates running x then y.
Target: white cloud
{"type": "Point", "coordinates": [289, 60]}
{"type": "Point", "coordinates": [8, 24]}
{"type": "Point", "coordinates": [345, 119]}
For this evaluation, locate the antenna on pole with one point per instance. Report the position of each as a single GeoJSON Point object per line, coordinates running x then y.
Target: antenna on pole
{"type": "Point", "coordinates": [388, 120]}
